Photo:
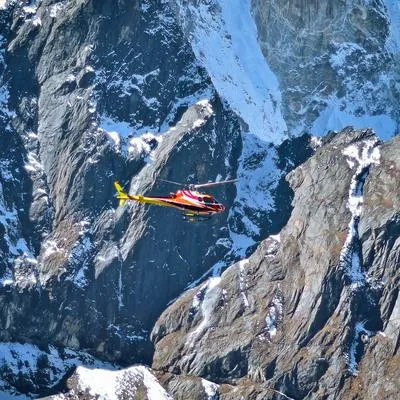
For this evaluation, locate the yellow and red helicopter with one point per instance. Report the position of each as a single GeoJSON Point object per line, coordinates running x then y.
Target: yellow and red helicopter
{"type": "Point", "coordinates": [190, 201]}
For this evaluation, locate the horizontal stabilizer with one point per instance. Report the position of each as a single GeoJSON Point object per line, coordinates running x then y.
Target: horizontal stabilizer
{"type": "Point", "coordinates": [119, 188]}
{"type": "Point", "coordinates": [121, 195]}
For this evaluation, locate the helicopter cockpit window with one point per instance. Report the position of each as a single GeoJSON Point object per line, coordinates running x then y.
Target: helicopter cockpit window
{"type": "Point", "coordinates": [209, 200]}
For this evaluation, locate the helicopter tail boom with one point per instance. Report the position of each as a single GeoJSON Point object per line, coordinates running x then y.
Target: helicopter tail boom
{"type": "Point", "coordinates": [123, 197]}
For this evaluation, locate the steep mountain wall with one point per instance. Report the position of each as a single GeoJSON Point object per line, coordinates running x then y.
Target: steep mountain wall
{"type": "Point", "coordinates": [313, 313]}
{"type": "Point", "coordinates": [79, 273]}
{"type": "Point", "coordinates": [337, 62]}
{"type": "Point", "coordinates": [93, 91]}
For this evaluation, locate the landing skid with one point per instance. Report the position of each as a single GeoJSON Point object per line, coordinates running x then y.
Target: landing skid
{"type": "Point", "coordinates": [196, 217]}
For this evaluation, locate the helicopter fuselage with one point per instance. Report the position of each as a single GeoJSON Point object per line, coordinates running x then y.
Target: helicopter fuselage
{"type": "Point", "coordinates": [189, 201]}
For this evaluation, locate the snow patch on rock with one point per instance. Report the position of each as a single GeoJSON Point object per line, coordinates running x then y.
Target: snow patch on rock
{"type": "Point", "coordinates": [242, 281]}
{"type": "Point", "coordinates": [33, 165]}
{"type": "Point", "coordinates": [119, 127]}
{"type": "Point", "coordinates": [106, 384]}
{"type": "Point", "coordinates": [30, 9]}
{"type": "Point", "coordinates": [211, 389]}
{"type": "Point", "coordinates": [29, 361]}
{"type": "Point", "coordinates": [362, 154]}
{"type": "Point", "coordinates": [144, 145]}
{"type": "Point", "coordinates": [102, 380]}
{"type": "Point", "coordinates": [143, 142]}
{"type": "Point", "coordinates": [19, 254]}
{"type": "Point", "coordinates": [198, 298]}
{"type": "Point", "coordinates": [50, 247]}
{"type": "Point", "coordinates": [55, 9]}
{"type": "Point", "coordinates": [211, 297]}
{"type": "Point", "coordinates": [361, 334]}
{"type": "Point", "coordinates": [360, 157]}
{"type": "Point", "coordinates": [275, 310]}
{"type": "Point", "coordinates": [273, 243]}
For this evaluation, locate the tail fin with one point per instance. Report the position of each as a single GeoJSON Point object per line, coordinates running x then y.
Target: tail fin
{"type": "Point", "coordinates": [121, 195]}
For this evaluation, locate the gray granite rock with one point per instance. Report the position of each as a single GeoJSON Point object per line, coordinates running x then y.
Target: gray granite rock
{"type": "Point", "coordinates": [311, 315]}
{"type": "Point", "coordinates": [303, 314]}
{"type": "Point", "coordinates": [89, 275]}
{"type": "Point", "coordinates": [326, 49]}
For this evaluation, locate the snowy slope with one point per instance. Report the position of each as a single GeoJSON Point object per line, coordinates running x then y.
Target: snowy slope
{"type": "Point", "coordinates": [338, 115]}
{"type": "Point", "coordinates": [224, 38]}
{"type": "Point", "coordinates": [132, 382]}
{"type": "Point", "coordinates": [101, 380]}
{"type": "Point", "coordinates": [363, 100]}
{"type": "Point", "coordinates": [26, 364]}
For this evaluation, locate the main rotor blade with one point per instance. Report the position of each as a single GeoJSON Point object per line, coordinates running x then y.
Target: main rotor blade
{"type": "Point", "coordinates": [175, 183]}
{"type": "Point", "coordinates": [214, 183]}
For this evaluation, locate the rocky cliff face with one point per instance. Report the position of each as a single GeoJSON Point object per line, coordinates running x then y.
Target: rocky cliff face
{"type": "Point", "coordinates": [337, 61]}
{"type": "Point", "coordinates": [93, 91]}
{"type": "Point", "coordinates": [313, 313]}
{"type": "Point", "coordinates": [98, 265]}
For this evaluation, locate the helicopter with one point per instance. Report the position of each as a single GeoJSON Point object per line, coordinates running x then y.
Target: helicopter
{"type": "Point", "coordinates": [190, 201]}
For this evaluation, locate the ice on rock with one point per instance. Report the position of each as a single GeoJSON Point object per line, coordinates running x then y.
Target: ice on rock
{"type": "Point", "coordinates": [107, 384]}
{"type": "Point", "coordinates": [211, 389]}
{"type": "Point", "coordinates": [210, 298]}
{"type": "Point", "coordinates": [362, 155]}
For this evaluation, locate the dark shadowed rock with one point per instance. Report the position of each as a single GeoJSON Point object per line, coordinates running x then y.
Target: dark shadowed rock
{"type": "Point", "coordinates": [80, 273]}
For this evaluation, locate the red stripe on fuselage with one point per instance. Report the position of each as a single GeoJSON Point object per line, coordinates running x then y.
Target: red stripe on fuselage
{"type": "Point", "coordinates": [193, 206]}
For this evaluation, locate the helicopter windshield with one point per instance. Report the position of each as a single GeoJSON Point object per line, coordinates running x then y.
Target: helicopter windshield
{"type": "Point", "coordinates": [209, 200]}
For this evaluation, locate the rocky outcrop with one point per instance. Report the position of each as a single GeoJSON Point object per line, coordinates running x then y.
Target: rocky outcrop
{"type": "Point", "coordinates": [98, 92]}
{"type": "Point", "coordinates": [136, 382]}
{"type": "Point", "coordinates": [312, 313]}
{"type": "Point", "coordinates": [80, 274]}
